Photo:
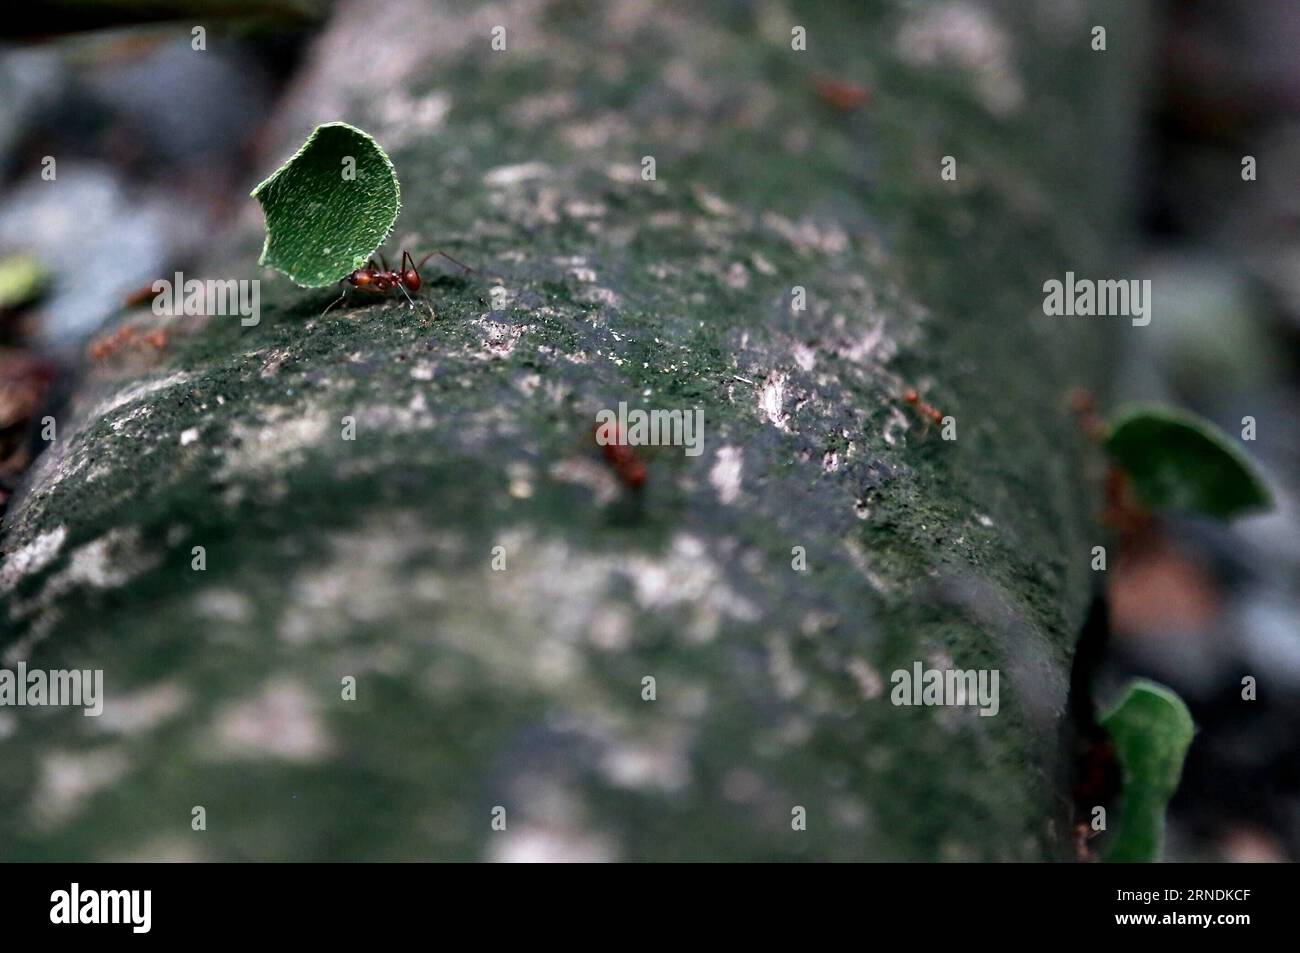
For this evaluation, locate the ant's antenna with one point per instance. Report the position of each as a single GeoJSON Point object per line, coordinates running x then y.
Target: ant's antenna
{"type": "Point", "coordinates": [412, 300]}
{"type": "Point", "coordinates": [335, 301]}
{"type": "Point", "coordinates": [407, 293]}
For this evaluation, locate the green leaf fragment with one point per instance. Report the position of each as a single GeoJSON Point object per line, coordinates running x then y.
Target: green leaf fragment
{"type": "Point", "coordinates": [1151, 729]}
{"type": "Point", "coordinates": [329, 207]}
{"type": "Point", "coordinates": [22, 279]}
{"type": "Point", "coordinates": [1180, 462]}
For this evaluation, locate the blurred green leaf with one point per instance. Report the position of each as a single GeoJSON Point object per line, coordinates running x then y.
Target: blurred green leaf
{"type": "Point", "coordinates": [22, 279]}
{"type": "Point", "coordinates": [329, 207]}
{"type": "Point", "coordinates": [1180, 462]}
{"type": "Point", "coordinates": [1151, 729]}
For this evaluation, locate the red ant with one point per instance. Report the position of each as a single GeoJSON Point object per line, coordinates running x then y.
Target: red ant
{"type": "Point", "coordinates": [123, 337]}
{"type": "Point", "coordinates": [844, 97]}
{"type": "Point", "coordinates": [1083, 852]}
{"type": "Point", "coordinates": [624, 461]}
{"type": "Point", "coordinates": [1085, 408]}
{"type": "Point", "coordinates": [1123, 511]}
{"type": "Point", "coordinates": [925, 410]}
{"type": "Point", "coordinates": [380, 279]}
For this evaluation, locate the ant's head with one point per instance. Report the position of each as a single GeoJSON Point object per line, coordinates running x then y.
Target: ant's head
{"type": "Point", "coordinates": [911, 396]}
{"type": "Point", "coordinates": [411, 279]}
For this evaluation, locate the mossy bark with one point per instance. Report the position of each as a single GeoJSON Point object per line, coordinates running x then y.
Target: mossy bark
{"type": "Point", "coordinates": [372, 558]}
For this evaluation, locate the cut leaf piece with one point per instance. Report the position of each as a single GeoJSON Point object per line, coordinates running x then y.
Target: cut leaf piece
{"type": "Point", "coordinates": [1151, 729]}
{"type": "Point", "coordinates": [329, 207]}
{"type": "Point", "coordinates": [1180, 462]}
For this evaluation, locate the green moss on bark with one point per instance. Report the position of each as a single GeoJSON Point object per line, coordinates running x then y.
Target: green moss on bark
{"type": "Point", "coordinates": [522, 688]}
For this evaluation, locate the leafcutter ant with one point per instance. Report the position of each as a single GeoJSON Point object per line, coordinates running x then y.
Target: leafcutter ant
{"type": "Point", "coordinates": [380, 279]}
{"type": "Point", "coordinates": [126, 337]}
{"type": "Point", "coordinates": [1085, 408]}
{"type": "Point", "coordinates": [840, 96]}
{"type": "Point", "coordinates": [629, 468]}
{"type": "Point", "coordinates": [925, 410]}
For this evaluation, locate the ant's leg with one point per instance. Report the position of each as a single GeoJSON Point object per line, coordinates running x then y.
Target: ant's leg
{"type": "Point", "coordinates": [458, 264]}
{"type": "Point", "coordinates": [382, 261]}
